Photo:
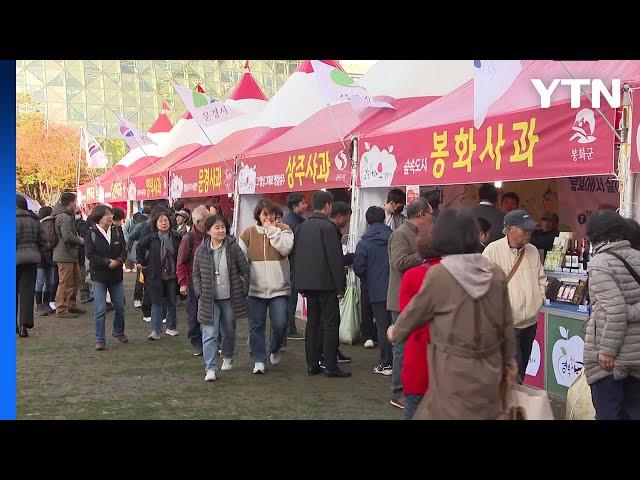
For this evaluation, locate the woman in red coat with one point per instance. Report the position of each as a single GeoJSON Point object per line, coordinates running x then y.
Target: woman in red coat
{"type": "Point", "coordinates": [415, 372]}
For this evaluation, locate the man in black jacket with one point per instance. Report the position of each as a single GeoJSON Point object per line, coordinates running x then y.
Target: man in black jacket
{"type": "Point", "coordinates": [319, 275]}
{"type": "Point", "coordinates": [487, 209]}
{"type": "Point", "coordinates": [297, 205]}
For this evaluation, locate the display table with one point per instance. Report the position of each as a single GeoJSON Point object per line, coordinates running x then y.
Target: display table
{"type": "Point", "coordinates": [556, 356]}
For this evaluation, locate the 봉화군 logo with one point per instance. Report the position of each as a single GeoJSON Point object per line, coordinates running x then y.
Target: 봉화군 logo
{"type": "Point", "coordinates": [584, 126]}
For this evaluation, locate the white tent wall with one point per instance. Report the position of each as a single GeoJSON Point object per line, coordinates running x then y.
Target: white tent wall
{"type": "Point", "coordinates": [245, 216]}
{"type": "Point", "coordinates": [370, 197]}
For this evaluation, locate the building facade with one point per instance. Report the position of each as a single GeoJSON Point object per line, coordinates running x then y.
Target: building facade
{"type": "Point", "coordinates": [87, 92]}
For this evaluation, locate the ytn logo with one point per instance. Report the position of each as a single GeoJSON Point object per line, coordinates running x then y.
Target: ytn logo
{"type": "Point", "coordinates": [598, 89]}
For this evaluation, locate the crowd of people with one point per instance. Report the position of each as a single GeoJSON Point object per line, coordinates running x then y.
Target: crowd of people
{"type": "Point", "coordinates": [451, 298]}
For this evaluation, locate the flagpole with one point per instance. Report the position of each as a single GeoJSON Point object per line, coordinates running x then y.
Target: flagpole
{"type": "Point", "coordinates": [236, 196]}
{"type": "Point", "coordinates": [335, 124]}
{"type": "Point", "coordinates": [208, 138]}
{"type": "Point", "coordinates": [82, 137]}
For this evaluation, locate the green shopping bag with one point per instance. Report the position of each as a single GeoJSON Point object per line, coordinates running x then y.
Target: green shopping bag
{"type": "Point", "coordinates": [350, 315]}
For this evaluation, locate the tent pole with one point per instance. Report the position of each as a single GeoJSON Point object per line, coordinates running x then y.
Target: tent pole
{"type": "Point", "coordinates": [236, 197]}
{"type": "Point", "coordinates": [627, 179]}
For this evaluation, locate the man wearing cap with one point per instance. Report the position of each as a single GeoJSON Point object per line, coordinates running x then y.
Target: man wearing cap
{"type": "Point", "coordinates": [543, 239]}
{"type": "Point", "coordinates": [182, 218]}
{"type": "Point", "coordinates": [520, 262]}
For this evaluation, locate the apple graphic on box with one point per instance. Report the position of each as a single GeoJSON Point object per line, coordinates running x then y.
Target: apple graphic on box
{"type": "Point", "coordinates": [534, 360]}
{"type": "Point", "coordinates": [567, 357]}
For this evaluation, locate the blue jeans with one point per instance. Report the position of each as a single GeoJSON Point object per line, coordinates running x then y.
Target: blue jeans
{"type": "Point", "coordinates": [227, 323]}
{"type": "Point", "coordinates": [257, 321]}
{"type": "Point", "coordinates": [616, 399]}
{"type": "Point", "coordinates": [44, 279]}
{"type": "Point", "coordinates": [195, 333]}
{"type": "Point", "coordinates": [157, 310]}
{"type": "Point", "coordinates": [100, 307]}
{"type": "Point", "coordinates": [210, 340]}
{"type": "Point", "coordinates": [398, 354]}
{"type": "Point", "coordinates": [411, 403]}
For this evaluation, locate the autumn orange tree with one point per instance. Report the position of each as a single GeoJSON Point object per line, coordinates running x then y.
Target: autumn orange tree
{"type": "Point", "coordinates": [46, 155]}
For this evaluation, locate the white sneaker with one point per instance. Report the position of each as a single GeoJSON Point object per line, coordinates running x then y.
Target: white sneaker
{"type": "Point", "coordinates": [210, 376]}
{"type": "Point", "coordinates": [275, 358]}
{"type": "Point", "coordinates": [227, 364]}
{"type": "Point", "coordinates": [164, 320]}
{"type": "Point", "coordinates": [147, 319]}
{"type": "Point", "coordinates": [137, 304]}
{"type": "Point", "coordinates": [52, 305]}
{"type": "Point", "coordinates": [258, 368]}
{"type": "Point", "coordinates": [154, 335]}
{"type": "Point", "coordinates": [368, 344]}
{"type": "Point", "coordinates": [172, 333]}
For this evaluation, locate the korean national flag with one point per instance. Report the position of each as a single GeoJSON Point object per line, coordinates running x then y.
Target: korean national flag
{"type": "Point", "coordinates": [492, 78]}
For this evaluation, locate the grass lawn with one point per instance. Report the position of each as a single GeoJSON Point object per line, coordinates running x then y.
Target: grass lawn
{"type": "Point", "coordinates": [61, 376]}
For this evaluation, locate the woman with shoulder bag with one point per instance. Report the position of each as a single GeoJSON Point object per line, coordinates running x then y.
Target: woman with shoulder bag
{"type": "Point", "coordinates": [612, 340]}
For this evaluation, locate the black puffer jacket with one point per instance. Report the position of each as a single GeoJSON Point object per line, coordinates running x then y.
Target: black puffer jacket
{"type": "Point", "coordinates": [30, 239]}
{"type": "Point", "coordinates": [49, 227]}
{"type": "Point", "coordinates": [100, 252]}
{"type": "Point", "coordinates": [148, 255]}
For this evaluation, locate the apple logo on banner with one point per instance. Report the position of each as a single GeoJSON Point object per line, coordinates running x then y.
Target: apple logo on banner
{"type": "Point", "coordinates": [132, 191]}
{"type": "Point", "coordinates": [567, 357]}
{"type": "Point", "coordinates": [534, 360]}
{"type": "Point", "coordinates": [177, 186]}
{"type": "Point", "coordinates": [377, 166]}
{"type": "Point", "coordinates": [247, 179]}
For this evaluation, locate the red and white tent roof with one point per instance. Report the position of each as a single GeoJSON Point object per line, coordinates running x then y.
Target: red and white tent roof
{"type": "Point", "coordinates": [294, 102]}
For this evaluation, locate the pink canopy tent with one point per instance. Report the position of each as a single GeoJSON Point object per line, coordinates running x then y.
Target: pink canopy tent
{"type": "Point", "coordinates": [438, 144]}
{"type": "Point", "coordinates": [210, 172]}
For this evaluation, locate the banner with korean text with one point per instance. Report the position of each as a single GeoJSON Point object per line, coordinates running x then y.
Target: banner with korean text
{"type": "Point", "coordinates": [524, 145]}
{"type": "Point", "coordinates": [313, 168]}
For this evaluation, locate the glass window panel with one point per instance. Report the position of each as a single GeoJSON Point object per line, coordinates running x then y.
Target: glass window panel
{"type": "Point", "coordinates": [57, 81]}
{"type": "Point", "coordinates": [129, 83]}
{"type": "Point", "coordinates": [73, 81]}
{"type": "Point", "coordinates": [110, 66]}
{"type": "Point", "coordinates": [128, 66]}
{"type": "Point", "coordinates": [111, 82]}
{"type": "Point", "coordinates": [32, 78]}
{"type": "Point", "coordinates": [57, 112]}
{"type": "Point", "coordinates": [131, 113]}
{"type": "Point", "coordinates": [77, 113]}
{"type": "Point", "coordinates": [130, 100]}
{"type": "Point", "coordinates": [148, 100]}
{"type": "Point", "coordinates": [56, 94]}
{"type": "Point", "coordinates": [75, 95]}
{"type": "Point", "coordinates": [95, 96]}
{"type": "Point", "coordinates": [176, 68]}
{"type": "Point", "coordinates": [113, 98]}
{"type": "Point", "coordinates": [73, 65]}
{"type": "Point", "coordinates": [145, 67]}
{"type": "Point", "coordinates": [93, 111]}
{"type": "Point", "coordinates": [145, 86]}
{"type": "Point", "coordinates": [20, 77]}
